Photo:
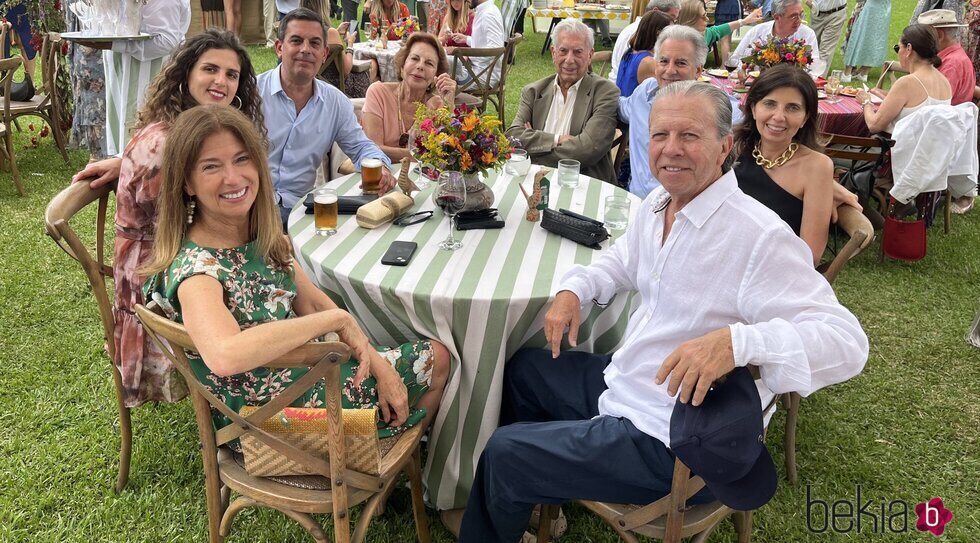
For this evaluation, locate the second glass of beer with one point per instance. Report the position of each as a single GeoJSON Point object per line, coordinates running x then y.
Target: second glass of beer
{"type": "Point", "coordinates": [325, 211]}
{"type": "Point", "coordinates": [371, 175]}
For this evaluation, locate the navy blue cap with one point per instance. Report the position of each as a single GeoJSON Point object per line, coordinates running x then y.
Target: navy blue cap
{"type": "Point", "coordinates": [722, 441]}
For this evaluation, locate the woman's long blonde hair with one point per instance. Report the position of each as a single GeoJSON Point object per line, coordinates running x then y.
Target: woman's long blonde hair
{"type": "Point", "coordinates": [180, 154]}
{"type": "Point", "coordinates": [458, 20]}
{"type": "Point", "coordinates": [378, 12]}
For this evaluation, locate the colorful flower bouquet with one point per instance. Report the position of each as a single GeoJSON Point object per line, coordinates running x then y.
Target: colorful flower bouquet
{"type": "Point", "coordinates": [768, 53]}
{"type": "Point", "coordinates": [406, 26]}
{"type": "Point", "coordinates": [459, 140]}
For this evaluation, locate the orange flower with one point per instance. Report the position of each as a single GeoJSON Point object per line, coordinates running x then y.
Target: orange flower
{"type": "Point", "coordinates": [465, 162]}
{"type": "Point", "coordinates": [487, 157]}
{"type": "Point", "coordinates": [470, 122]}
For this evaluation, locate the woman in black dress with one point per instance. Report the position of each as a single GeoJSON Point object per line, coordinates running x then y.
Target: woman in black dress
{"type": "Point", "coordinates": [779, 161]}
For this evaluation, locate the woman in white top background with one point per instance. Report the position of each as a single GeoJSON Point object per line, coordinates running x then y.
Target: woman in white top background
{"type": "Point", "coordinates": [918, 52]}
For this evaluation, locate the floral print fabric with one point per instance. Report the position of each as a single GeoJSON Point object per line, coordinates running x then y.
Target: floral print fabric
{"type": "Point", "coordinates": [257, 292]}
{"type": "Point", "coordinates": [146, 374]}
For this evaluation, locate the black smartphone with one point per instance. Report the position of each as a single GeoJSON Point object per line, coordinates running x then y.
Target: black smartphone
{"type": "Point", "coordinates": [399, 253]}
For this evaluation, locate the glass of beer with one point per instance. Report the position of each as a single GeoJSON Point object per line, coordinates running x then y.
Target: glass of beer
{"type": "Point", "coordinates": [371, 175]}
{"type": "Point", "coordinates": [325, 211]}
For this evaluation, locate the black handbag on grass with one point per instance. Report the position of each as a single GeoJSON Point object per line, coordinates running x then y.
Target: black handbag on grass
{"type": "Point", "coordinates": [580, 229]}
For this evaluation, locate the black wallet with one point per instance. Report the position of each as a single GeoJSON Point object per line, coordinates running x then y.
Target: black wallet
{"type": "Point", "coordinates": [578, 228]}
{"type": "Point", "coordinates": [346, 205]}
{"type": "Point", "coordinates": [484, 219]}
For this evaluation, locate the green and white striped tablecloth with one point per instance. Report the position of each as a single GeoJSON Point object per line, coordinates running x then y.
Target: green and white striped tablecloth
{"type": "Point", "coordinates": [483, 301]}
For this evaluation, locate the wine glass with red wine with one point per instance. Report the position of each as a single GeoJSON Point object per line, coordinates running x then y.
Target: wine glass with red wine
{"type": "Point", "coordinates": [450, 197]}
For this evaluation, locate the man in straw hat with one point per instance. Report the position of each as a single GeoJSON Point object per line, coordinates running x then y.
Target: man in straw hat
{"type": "Point", "coordinates": [957, 66]}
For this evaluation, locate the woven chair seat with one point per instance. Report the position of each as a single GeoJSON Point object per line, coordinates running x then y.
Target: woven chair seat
{"type": "Point", "coordinates": [309, 482]}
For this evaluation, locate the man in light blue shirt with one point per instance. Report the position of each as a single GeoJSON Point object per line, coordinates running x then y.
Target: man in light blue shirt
{"type": "Point", "coordinates": [304, 116]}
{"type": "Point", "coordinates": [680, 53]}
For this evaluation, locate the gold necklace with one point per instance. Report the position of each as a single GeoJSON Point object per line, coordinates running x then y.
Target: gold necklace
{"type": "Point", "coordinates": [779, 161]}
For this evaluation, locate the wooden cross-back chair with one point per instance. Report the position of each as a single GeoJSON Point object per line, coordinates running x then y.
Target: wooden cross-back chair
{"type": "Point", "coordinates": [600, 61]}
{"type": "Point", "coordinates": [670, 518]}
{"type": "Point", "coordinates": [479, 81]}
{"type": "Point", "coordinates": [57, 221]}
{"type": "Point", "coordinates": [890, 69]}
{"type": "Point", "coordinates": [334, 488]}
{"type": "Point", "coordinates": [46, 103]}
{"type": "Point", "coordinates": [335, 58]}
{"type": "Point", "coordinates": [7, 68]}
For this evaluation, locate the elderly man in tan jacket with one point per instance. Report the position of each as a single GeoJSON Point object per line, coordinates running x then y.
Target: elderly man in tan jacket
{"type": "Point", "coordinates": [573, 114]}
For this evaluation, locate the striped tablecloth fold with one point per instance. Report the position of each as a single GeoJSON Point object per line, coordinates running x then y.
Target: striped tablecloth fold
{"type": "Point", "coordinates": [484, 302]}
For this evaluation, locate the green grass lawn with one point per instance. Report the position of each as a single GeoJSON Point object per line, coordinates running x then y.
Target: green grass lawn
{"type": "Point", "coordinates": [906, 429]}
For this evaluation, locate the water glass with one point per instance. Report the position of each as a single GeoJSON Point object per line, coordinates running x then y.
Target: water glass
{"type": "Point", "coordinates": [833, 86]}
{"type": "Point", "coordinates": [568, 171]}
{"type": "Point", "coordinates": [518, 164]}
{"type": "Point", "coordinates": [616, 214]}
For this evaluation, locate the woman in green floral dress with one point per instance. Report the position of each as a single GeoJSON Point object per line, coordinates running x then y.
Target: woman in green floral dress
{"type": "Point", "coordinates": [223, 268]}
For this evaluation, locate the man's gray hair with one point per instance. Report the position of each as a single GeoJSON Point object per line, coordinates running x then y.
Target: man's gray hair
{"type": "Point", "coordinates": [694, 89]}
{"type": "Point", "coordinates": [663, 6]}
{"type": "Point", "coordinates": [573, 26]}
{"type": "Point", "coordinates": [779, 7]}
{"type": "Point", "coordinates": [684, 33]}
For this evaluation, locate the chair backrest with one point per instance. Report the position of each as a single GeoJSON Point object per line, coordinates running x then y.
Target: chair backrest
{"type": "Point", "coordinates": [4, 29]}
{"type": "Point", "coordinates": [57, 216]}
{"type": "Point", "coordinates": [323, 360]}
{"type": "Point", "coordinates": [600, 61]}
{"type": "Point", "coordinates": [926, 144]}
{"type": "Point", "coordinates": [478, 76]}
{"type": "Point", "coordinates": [860, 233]}
{"type": "Point", "coordinates": [7, 68]}
{"type": "Point", "coordinates": [853, 148]}
{"type": "Point", "coordinates": [891, 69]}
{"type": "Point", "coordinates": [335, 58]}
{"type": "Point", "coordinates": [50, 55]}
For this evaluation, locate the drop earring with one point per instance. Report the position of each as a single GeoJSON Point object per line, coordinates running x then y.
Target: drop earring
{"type": "Point", "coordinates": [190, 210]}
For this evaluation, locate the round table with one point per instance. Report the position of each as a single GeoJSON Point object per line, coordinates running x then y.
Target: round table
{"type": "Point", "coordinates": [484, 302]}
{"type": "Point", "coordinates": [845, 117]}
{"type": "Point", "coordinates": [385, 56]}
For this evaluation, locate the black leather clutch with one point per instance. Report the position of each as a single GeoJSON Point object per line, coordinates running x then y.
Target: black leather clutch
{"type": "Point", "coordinates": [346, 205]}
{"type": "Point", "coordinates": [580, 229]}
{"type": "Point", "coordinates": [484, 219]}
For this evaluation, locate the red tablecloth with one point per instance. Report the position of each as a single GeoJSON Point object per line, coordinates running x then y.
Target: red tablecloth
{"type": "Point", "coordinates": [845, 117]}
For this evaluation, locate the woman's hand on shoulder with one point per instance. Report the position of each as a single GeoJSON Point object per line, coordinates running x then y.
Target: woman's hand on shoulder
{"type": "Point", "coordinates": [99, 173]}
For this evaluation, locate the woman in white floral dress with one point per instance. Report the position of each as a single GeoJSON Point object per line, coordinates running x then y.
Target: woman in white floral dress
{"type": "Point", "coordinates": [222, 266]}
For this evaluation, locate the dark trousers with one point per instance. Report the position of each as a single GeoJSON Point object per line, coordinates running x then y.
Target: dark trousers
{"type": "Point", "coordinates": [553, 450]}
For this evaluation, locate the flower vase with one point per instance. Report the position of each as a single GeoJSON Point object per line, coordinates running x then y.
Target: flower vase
{"type": "Point", "coordinates": [478, 194]}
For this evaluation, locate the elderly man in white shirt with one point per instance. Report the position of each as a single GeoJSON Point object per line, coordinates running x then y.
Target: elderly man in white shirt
{"type": "Point", "coordinates": [787, 23]}
{"type": "Point", "coordinates": [671, 8]}
{"type": "Point", "coordinates": [723, 283]}
{"type": "Point", "coordinates": [571, 114]}
{"type": "Point", "coordinates": [827, 18]}
{"type": "Point", "coordinates": [488, 31]}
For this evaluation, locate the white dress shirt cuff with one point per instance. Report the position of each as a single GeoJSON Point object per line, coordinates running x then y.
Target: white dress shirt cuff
{"type": "Point", "coordinates": [579, 286]}
{"type": "Point", "coordinates": [745, 342]}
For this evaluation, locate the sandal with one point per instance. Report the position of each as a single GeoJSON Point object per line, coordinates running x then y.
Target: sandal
{"type": "Point", "coordinates": [558, 526]}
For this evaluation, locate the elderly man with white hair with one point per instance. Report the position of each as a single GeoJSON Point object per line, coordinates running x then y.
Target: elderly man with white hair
{"type": "Point", "coordinates": [787, 22]}
{"type": "Point", "coordinates": [722, 284]}
{"type": "Point", "coordinates": [670, 8]}
{"type": "Point", "coordinates": [680, 52]}
{"type": "Point", "coordinates": [572, 114]}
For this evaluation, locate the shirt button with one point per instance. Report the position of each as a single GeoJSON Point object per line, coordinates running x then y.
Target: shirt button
{"type": "Point", "coordinates": [656, 276]}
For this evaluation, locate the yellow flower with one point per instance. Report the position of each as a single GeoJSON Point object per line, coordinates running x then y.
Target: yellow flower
{"type": "Point", "coordinates": [470, 122]}
{"type": "Point", "coordinates": [487, 157]}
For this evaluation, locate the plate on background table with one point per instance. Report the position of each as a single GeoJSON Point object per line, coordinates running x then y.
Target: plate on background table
{"type": "Point", "coordinates": [704, 79]}
{"type": "Point", "coordinates": [821, 95]}
{"type": "Point", "coordinates": [81, 36]}
{"type": "Point", "coordinates": [717, 72]}
{"type": "Point", "coordinates": [755, 73]}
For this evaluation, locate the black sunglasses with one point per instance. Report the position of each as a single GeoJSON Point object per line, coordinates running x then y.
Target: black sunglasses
{"type": "Point", "coordinates": [896, 47]}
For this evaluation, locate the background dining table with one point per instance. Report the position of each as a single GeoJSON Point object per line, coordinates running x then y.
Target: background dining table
{"type": "Point", "coordinates": [484, 301]}
{"type": "Point", "coordinates": [368, 50]}
{"type": "Point", "coordinates": [845, 117]}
